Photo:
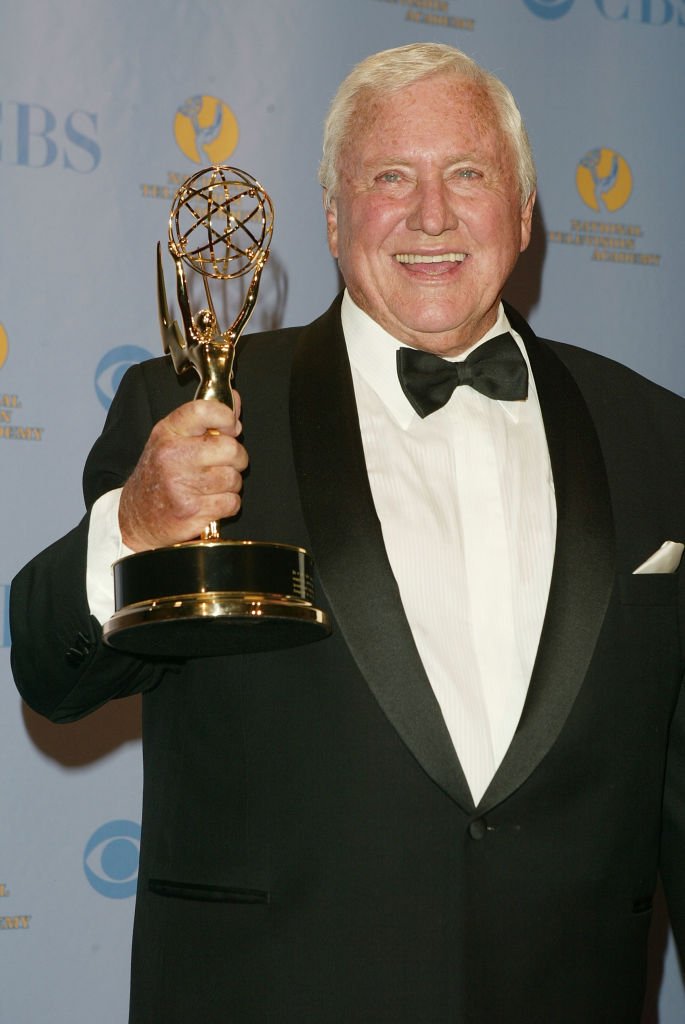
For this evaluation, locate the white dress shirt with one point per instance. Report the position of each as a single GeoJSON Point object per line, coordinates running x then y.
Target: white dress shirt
{"type": "Point", "coordinates": [466, 504]}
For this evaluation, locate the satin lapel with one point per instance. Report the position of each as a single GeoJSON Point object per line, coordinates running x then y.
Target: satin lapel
{"type": "Point", "coordinates": [349, 553]}
{"type": "Point", "coordinates": [583, 572]}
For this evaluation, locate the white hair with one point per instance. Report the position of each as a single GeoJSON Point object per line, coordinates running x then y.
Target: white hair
{"type": "Point", "coordinates": [391, 70]}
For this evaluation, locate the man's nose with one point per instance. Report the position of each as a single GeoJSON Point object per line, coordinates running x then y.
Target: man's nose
{"type": "Point", "coordinates": [433, 211]}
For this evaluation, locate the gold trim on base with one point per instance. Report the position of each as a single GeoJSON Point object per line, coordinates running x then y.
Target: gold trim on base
{"type": "Point", "coordinates": [213, 624]}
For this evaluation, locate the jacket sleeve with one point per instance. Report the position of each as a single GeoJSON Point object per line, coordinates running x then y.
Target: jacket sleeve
{"type": "Point", "coordinates": [672, 860]}
{"type": "Point", "coordinates": [60, 663]}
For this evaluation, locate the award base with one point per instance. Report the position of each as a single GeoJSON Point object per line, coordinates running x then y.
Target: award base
{"type": "Point", "coordinates": [210, 598]}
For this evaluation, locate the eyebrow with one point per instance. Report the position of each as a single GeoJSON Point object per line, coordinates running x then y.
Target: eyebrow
{"type": "Point", "coordinates": [405, 160]}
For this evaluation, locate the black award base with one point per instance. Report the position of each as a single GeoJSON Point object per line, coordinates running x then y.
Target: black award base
{"type": "Point", "coordinates": [210, 598]}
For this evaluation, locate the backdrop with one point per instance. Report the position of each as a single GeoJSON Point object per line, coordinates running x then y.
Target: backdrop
{"type": "Point", "coordinates": [104, 109]}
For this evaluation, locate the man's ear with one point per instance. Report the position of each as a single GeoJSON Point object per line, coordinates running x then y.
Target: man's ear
{"type": "Point", "coordinates": [330, 208]}
{"type": "Point", "coordinates": [527, 220]}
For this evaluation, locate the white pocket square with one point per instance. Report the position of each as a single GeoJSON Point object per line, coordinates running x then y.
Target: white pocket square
{"type": "Point", "coordinates": [666, 559]}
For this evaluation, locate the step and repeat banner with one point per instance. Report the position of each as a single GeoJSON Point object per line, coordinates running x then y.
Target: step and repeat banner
{"type": "Point", "coordinates": [104, 109]}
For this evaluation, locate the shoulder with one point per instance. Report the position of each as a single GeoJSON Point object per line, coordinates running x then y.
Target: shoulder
{"type": "Point", "coordinates": [268, 354]}
{"type": "Point", "coordinates": [155, 385]}
{"type": "Point", "coordinates": [608, 384]}
{"type": "Point", "coordinates": [267, 348]}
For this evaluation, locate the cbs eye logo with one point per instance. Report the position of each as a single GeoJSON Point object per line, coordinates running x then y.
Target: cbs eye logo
{"type": "Point", "coordinates": [549, 9]}
{"type": "Point", "coordinates": [112, 367]}
{"type": "Point", "coordinates": [110, 859]}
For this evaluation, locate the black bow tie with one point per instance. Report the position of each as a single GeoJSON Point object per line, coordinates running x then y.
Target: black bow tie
{"type": "Point", "coordinates": [496, 369]}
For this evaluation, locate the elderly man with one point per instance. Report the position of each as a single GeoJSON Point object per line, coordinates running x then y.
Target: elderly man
{"type": "Point", "coordinates": [455, 807]}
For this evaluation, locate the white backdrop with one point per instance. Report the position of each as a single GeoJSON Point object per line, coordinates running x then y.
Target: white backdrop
{"type": "Point", "coordinates": [104, 109]}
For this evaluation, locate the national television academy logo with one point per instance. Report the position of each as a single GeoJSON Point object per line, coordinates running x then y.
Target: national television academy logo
{"type": "Point", "coordinates": [110, 859]}
{"type": "Point", "coordinates": [206, 130]}
{"type": "Point", "coordinates": [604, 180]}
{"type": "Point", "coordinates": [549, 9]}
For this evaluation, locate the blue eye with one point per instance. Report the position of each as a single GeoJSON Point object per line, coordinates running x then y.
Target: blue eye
{"type": "Point", "coordinates": [110, 859]}
{"type": "Point", "coordinates": [112, 367]}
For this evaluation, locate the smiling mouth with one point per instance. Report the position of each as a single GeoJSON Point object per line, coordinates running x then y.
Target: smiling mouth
{"type": "Point", "coordinates": [443, 257]}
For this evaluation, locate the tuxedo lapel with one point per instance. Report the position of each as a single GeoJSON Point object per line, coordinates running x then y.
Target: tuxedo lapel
{"type": "Point", "coordinates": [349, 553]}
{"type": "Point", "coordinates": [350, 556]}
{"type": "Point", "coordinates": [583, 573]}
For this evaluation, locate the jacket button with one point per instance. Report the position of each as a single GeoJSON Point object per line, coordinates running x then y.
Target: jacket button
{"type": "Point", "coordinates": [81, 649]}
{"type": "Point", "coordinates": [478, 828]}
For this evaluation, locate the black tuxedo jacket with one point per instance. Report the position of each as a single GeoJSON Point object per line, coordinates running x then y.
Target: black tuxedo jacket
{"type": "Point", "coordinates": [311, 851]}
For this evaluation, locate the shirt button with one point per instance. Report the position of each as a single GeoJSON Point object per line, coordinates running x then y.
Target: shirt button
{"type": "Point", "coordinates": [478, 828]}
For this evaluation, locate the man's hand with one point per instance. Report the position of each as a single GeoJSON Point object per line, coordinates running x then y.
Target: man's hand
{"type": "Point", "coordinates": [189, 474]}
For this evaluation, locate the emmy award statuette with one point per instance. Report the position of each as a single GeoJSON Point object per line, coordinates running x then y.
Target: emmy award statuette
{"type": "Point", "coordinates": [212, 596]}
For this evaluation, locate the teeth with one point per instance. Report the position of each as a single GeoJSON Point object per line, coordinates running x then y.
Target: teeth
{"type": "Point", "coordinates": [443, 257]}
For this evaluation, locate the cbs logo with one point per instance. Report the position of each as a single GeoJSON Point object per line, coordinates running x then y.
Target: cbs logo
{"type": "Point", "coordinates": [549, 9]}
{"type": "Point", "coordinates": [112, 367]}
{"type": "Point", "coordinates": [110, 859]}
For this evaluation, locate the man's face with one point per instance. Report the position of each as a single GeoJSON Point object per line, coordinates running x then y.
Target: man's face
{"type": "Point", "coordinates": [427, 223]}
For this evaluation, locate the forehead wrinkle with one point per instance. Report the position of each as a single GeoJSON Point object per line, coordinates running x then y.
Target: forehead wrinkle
{"type": "Point", "coordinates": [372, 112]}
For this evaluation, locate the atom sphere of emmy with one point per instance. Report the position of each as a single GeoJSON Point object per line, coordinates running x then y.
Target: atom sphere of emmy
{"type": "Point", "coordinates": [221, 223]}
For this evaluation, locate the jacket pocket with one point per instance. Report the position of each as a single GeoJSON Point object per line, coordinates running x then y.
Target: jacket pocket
{"type": "Point", "coordinates": [659, 588]}
{"type": "Point", "coordinates": [206, 893]}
